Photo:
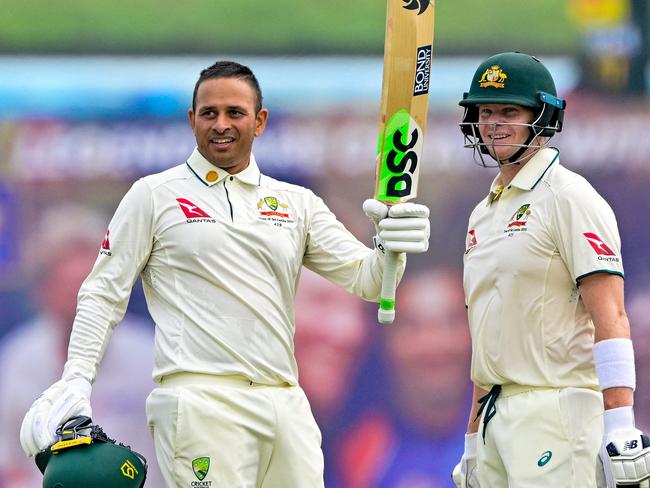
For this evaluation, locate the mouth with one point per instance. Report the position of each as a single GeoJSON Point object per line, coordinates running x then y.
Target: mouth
{"type": "Point", "coordinates": [222, 142]}
{"type": "Point", "coordinates": [497, 139]}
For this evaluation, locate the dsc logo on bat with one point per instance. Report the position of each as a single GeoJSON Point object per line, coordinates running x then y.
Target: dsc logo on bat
{"type": "Point", "coordinates": [399, 148]}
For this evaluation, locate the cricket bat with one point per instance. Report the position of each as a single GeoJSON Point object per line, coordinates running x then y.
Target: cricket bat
{"type": "Point", "coordinates": [403, 115]}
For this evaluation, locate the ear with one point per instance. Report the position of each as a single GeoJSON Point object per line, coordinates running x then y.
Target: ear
{"type": "Point", "coordinates": [191, 116]}
{"type": "Point", "coordinates": [260, 121]}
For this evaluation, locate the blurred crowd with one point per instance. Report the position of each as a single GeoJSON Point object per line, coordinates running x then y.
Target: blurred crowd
{"type": "Point", "coordinates": [391, 401]}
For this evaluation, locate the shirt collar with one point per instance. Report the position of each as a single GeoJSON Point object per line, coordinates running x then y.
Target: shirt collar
{"type": "Point", "coordinates": [529, 175]}
{"type": "Point", "coordinates": [210, 175]}
{"type": "Point", "coordinates": [535, 169]}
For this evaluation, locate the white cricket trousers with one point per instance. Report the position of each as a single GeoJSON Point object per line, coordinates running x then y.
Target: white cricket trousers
{"type": "Point", "coordinates": [224, 432]}
{"type": "Point", "coordinates": [541, 438]}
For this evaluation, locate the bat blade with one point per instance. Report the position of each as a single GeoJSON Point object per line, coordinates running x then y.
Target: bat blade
{"type": "Point", "coordinates": [408, 53]}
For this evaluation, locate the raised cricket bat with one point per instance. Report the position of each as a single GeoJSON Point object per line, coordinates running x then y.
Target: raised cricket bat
{"type": "Point", "coordinates": [404, 102]}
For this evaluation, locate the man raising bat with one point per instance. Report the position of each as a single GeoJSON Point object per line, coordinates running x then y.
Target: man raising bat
{"type": "Point", "coordinates": [220, 246]}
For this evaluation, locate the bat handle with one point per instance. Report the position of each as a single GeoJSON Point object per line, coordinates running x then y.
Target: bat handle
{"type": "Point", "coordinates": [386, 312]}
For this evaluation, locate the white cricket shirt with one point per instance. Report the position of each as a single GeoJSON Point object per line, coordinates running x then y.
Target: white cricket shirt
{"type": "Point", "coordinates": [525, 252]}
{"type": "Point", "coordinates": [220, 257]}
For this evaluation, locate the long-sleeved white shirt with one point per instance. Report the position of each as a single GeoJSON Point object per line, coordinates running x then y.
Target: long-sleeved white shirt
{"type": "Point", "coordinates": [220, 257]}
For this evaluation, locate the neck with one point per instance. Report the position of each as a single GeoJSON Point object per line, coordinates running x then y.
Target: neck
{"type": "Point", "coordinates": [508, 170]}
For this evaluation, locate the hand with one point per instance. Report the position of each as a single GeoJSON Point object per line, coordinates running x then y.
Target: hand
{"type": "Point", "coordinates": [625, 453]}
{"type": "Point", "coordinates": [403, 227]}
{"type": "Point", "coordinates": [61, 401]}
{"type": "Point", "coordinates": [465, 473]}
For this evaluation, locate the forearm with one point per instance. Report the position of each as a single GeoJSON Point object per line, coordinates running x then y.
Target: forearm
{"type": "Point", "coordinates": [618, 328]}
{"type": "Point", "coordinates": [473, 422]}
{"type": "Point", "coordinates": [602, 295]}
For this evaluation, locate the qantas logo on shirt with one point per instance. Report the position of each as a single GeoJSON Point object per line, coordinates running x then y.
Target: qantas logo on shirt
{"type": "Point", "coordinates": [106, 245]}
{"type": "Point", "coordinates": [193, 212]}
{"type": "Point", "coordinates": [600, 247]}
{"type": "Point", "coordinates": [471, 241]}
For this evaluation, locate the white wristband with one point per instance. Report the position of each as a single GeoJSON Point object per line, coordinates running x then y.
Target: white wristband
{"type": "Point", "coordinates": [614, 359]}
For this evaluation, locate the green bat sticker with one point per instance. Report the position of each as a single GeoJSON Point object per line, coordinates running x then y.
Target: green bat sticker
{"type": "Point", "coordinates": [400, 148]}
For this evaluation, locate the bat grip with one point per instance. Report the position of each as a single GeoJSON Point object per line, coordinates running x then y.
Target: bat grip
{"type": "Point", "coordinates": [386, 312]}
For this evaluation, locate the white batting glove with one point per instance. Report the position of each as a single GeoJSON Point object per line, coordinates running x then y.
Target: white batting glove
{"type": "Point", "coordinates": [465, 474]}
{"type": "Point", "coordinates": [625, 453]}
{"type": "Point", "coordinates": [61, 401]}
{"type": "Point", "coordinates": [403, 227]}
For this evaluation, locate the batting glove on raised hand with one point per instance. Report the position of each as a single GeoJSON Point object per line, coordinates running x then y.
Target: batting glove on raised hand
{"type": "Point", "coordinates": [625, 453]}
{"type": "Point", "coordinates": [465, 472]}
{"type": "Point", "coordinates": [61, 401]}
{"type": "Point", "coordinates": [403, 227]}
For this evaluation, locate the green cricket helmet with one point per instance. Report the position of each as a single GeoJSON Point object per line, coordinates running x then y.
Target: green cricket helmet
{"type": "Point", "coordinates": [513, 78]}
{"type": "Point", "coordinates": [85, 457]}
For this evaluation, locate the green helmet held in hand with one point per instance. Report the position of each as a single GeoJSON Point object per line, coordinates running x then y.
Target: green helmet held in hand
{"type": "Point", "coordinates": [519, 79]}
{"type": "Point", "coordinates": [84, 457]}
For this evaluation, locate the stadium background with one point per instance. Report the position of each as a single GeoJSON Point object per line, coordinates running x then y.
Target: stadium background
{"type": "Point", "coordinates": [94, 95]}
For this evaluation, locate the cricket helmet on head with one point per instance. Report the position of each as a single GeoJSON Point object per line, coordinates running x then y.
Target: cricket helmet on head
{"type": "Point", "coordinates": [84, 457]}
{"type": "Point", "coordinates": [513, 78]}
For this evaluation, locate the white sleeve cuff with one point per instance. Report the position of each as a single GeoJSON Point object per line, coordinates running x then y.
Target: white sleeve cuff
{"type": "Point", "coordinates": [619, 419]}
{"type": "Point", "coordinates": [470, 445]}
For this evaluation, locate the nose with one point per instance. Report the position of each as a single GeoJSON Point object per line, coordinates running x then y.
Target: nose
{"type": "Point", "coordinates": [221, 123]}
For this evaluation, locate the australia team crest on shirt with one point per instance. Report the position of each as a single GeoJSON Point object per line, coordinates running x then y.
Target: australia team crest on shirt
{"type": "Point", "coordinates": [519, 220]}
{"type": "Point", "coordinates": [271, 209]}
{"type": "Point", "coordinates": [201, 466]}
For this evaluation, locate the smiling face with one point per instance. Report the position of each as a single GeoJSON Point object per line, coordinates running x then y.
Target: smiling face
{"type": "Point", "coordinates": [504, 128]}
{"type": "Point", "coordinates": [225, 122]}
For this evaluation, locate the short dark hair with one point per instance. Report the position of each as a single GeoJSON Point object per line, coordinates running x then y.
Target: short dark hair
{"type": "Point", "coordinates": [229, 69]}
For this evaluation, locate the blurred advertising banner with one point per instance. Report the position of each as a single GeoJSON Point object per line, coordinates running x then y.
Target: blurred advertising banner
{"type": "Point", "coordinates": [615, 48]}
{"type": "Point", "coordinates": [596, 136]}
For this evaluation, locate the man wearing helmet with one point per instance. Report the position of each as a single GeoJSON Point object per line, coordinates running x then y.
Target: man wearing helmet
{"type": "Point", "coordinates": [543, 279]}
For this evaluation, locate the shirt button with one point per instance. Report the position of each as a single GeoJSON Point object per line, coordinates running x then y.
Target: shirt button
{"type": "Point", "coordinates": [212, 176]}
{"type": "Point", "coordinates": [232, 178]}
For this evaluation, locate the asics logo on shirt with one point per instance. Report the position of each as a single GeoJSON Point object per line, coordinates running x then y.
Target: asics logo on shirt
{"type": "Point", "coordinates": [546, 457]}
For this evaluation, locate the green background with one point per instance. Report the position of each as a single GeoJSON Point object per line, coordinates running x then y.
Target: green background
{"type": "Point", "coordinates": [288, 27]}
